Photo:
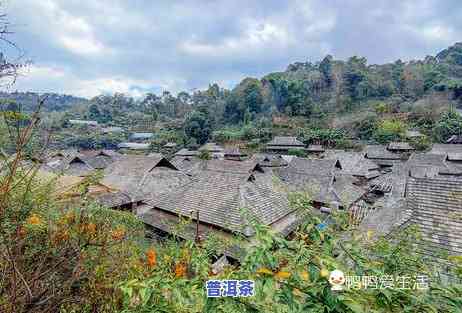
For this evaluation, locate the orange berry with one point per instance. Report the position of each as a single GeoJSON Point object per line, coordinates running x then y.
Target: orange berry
{"type": "Point", "coordinates": [305, 275]}
{"type": "Point", "coordinates": [180, 270]}
{"type": "Point", "coordinates": [91, 228]}
{"type": "Point", "coordinates": [151, 257]}
{"type": "Point", "coordinates": [118, 234]}
{"type": "Point", "coordinates": [34, 219]}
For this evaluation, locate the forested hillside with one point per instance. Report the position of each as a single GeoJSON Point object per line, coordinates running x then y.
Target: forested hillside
{"type": "Point", "coordinates": [328, 101]}
{"type": "Point", "coordinates": [55, 102]}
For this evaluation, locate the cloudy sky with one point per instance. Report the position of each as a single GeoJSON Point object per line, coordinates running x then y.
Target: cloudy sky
{"type": "Point", "coordinates": [88, 47]}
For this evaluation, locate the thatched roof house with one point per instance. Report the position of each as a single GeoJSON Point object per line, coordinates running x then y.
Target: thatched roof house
{"type": "Point", "coordinates": [282, 144]}
{"type": "Point", "coordinates": [74, 165]}
{"type": "Point", "coordinates": [141, 136]}
{"type": "Point", "coordinates": [230, 166]}
{"type": "Point", "coordinates": [454, 157]}
{"type": "Point", "coordinates": [187, 153]}
{"type": "Point", "coordinates": [270, 160]}
{"type": "Point", "coordinates": [234, 154]}
{"type": "Point", "coordinates": [186, 164]}
{"type": "Point", "coordinates": [83, 122]}
{"type": "Point", "coordinates": [319, 179]}
{"type": "Point", "coordinates": [142, 177]}
{"type": "Point", "coordinates": [81, 163]}
{"type": "Point", "coordinates": [354, 163]}
{"type": "Point", "coordinates": [438, 148]}
{"type": "Point", "coordinates": [315, 149]}
{"type": "Point", "coordinates": [68, 190]}
{"type": "Point", "coordinates": [379, 152]}
{"type": "Point", "coordinates": [383, 157]}
{"type": "Point", "coordinates": [133, 146]}
{"type": "Point", "coordinates": [413, 134]}
{"type": "Point", "coordinates": [224, 202]}
{"type": "Point", "coordinates": [212, 148]}
{"type": "Point", "coordinates": [400, 147]}
{"type": "Point", "coordinates": [112, 129]}
{"type": "Point", "coordinates": [100, 159]}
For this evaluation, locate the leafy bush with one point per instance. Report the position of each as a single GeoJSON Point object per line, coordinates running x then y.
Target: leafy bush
{"type": "Point", "coordinates": [325, 136]}
{"type": "Point", "coordinates": [389, 130]}
{"type": "Point", "coordinates": [450, 123]}
{"type": "Point", "coordinates": [421, 143]}
{"type": "Point", "coordinates": [246, 132]}
{"type": "Point", "coordinates": [366, 127]}
{"type": "Point", "coordinates": [297, 152]}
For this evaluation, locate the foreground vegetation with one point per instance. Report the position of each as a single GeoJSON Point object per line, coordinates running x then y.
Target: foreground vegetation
{"type": "Point", "coordinates": [85, 258]}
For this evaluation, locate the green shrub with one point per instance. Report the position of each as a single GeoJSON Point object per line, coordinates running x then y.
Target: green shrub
{"type": "Point", "coordinates": [421, 143]}
{"type": "Point", "coordinates": [389, 130]}
{"type": "Point", "coordinates": [450, 123]}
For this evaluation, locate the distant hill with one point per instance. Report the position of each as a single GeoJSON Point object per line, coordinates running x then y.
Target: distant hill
{"type": "Point", "coordinates": [54, 102]}
{"type": "Point", "coordinates": [337, 85]}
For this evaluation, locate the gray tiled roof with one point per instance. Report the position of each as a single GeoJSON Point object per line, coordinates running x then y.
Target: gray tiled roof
{"type": "Point", "coordinates": [380, 152]}
{"type": "Point", "coordinates": [436, 206]}
{"type": "Point", "coordinates": [413, 134]}
{"type": "Point", "coordinates": [141, 135]}
{"type": "Point", "coordinates": [160, 180]}
{"type": "Point", "coordinates": [133, 146]}
{"type": "Point", "coordinates": [285, 141]}
{"type": "Point", "coordinates": [429, 159]}
{"type": "Point", "coordinates": [230, 166]}
{"type": "Point", "coordinates": [219, 198]}
{"type": "Point", "coordinates": [317, 178]}
{"type": "Point", "coordinates": [74, 164]}
{"type": "Point", "coordinates": [430, 165]}
{"type": "Point", "coordinates": [270, 160]}
{"type": "Point", "coordinates": [186, 152]}
{"type": "Point", "coordinates": [355, 163]}
{"type": "Point", "coordinates": [84, 122]}
{"type": "Point", "coordinates": [283, 148]}
{"type": "Point", "coordinates": [315, 148]}
{"type": "Point", "coordinates": [80, 163]}
{"type": "Point", "coordinates": [235, 154]}
{"type": "Point", "coordinates": [400, 146]}
{"type": "Point", "coordinates": [438, 148]}
{"type": "Point", "coordinates": [187, 164]}
{"type": "Point", "coordinates": [211, 147]}
{"type": "Point", "coordinates": [454, 156]}
{"type": "Point", "coordinates": [134, 175]}
{"type": "Point", "coordinates": [313, 166]}
{"type": "Point", "coordinates": [114, 199]}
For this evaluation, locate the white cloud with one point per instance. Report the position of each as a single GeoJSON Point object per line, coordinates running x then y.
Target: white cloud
{"type": "Point", "coordinates": [73, 33]}
{"type": "Point", "coordinates": [82, 45]}
{"type": "Point", "coordinates": [438, 33]}
{"type": "Point", "coordinates": [87, 46]}
{"type": "Point", "coordinates": [256, 36]}
{"type": "Point", "coordinates": [61, 80]}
